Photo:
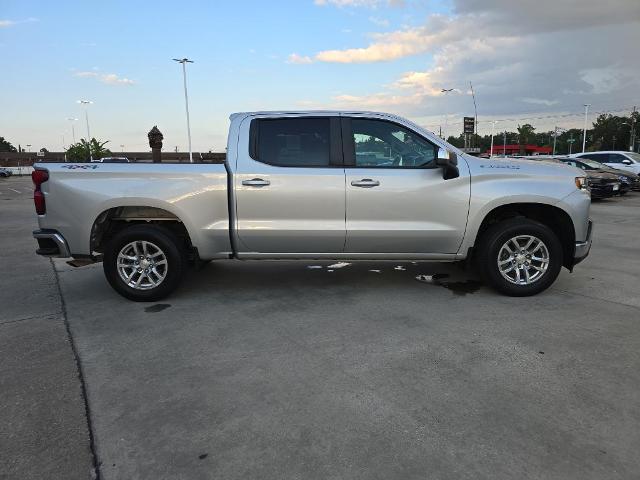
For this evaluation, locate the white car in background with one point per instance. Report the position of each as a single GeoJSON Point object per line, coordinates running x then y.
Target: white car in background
{"type": "Point", "coordinates": [622, 160]}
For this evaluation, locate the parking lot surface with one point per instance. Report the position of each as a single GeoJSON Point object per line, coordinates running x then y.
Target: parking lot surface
{"type": "Point", "coordinates": [306, 370]}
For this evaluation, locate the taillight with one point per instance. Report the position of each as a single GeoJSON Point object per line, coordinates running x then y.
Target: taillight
{"type": "Point", "coordinates": [39, 177]}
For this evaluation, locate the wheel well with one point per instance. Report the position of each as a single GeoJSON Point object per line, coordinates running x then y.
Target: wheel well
{"type": "Point", "coordinates": [113, 220]}
{"type": "Point", "coordinates": [553, 217]}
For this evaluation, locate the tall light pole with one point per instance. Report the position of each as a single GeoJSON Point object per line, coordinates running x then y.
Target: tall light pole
{"type": "Point", "coordinates": [29, 147]}
{"type": "Point", "coordinates": [85, 104]}
{"type": "Point", "coordinates": [73, 128]}
{"type": "Point", "coordinates": [584, 130]}
{"type": "Point", "coordinates": [122, 147]}
{"type": "Point", "coordinates": [184, 62]}
{"type": "Point", "coordinates": [446, 115]}
{"type": "Point", "coordinates": [493, 127]}
{"type": "Point", "coordinates": [504, 148]}
{"type": "Point", "coordinates": [555, 137]}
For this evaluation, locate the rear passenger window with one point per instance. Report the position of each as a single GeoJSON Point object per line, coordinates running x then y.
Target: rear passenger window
{"type": "Point", "coordinates": [616, 158]}
{"type": "Point", "coordinates": [291, 142]}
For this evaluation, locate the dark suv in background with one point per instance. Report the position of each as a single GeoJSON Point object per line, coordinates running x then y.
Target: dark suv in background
{"type": "Point", "coordinates": [628, 180]}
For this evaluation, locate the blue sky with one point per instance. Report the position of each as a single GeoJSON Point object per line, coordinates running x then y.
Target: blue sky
{"type": "Point", "coordinates": [388, 55]}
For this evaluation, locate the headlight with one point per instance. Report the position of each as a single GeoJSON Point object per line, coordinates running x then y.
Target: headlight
{"type": "Point", "coordinates": [582, 183]}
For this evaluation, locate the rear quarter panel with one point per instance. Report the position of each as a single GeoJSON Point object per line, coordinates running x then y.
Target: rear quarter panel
{"type": "Point", "coordinates": [77, 193]}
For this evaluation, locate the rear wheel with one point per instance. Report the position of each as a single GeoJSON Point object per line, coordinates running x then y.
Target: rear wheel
{"type": "Point", "coordinates": [144, 263]}
{"type": "Point", "coordinates": [519, 257]}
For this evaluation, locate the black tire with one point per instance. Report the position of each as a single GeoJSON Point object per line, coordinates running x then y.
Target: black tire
{"type": "Point", "coordinates": [161, 238]}
{"type": "Point", "coordinates": [497, 235]}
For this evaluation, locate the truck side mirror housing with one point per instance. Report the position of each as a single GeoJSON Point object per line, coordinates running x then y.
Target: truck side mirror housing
{"type": "Point", "coordinates": [448, 162]}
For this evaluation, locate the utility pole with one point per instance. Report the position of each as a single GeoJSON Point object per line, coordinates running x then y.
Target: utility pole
{"type": "Point", "coordinates": [584, 130]}
{"type": "Point", "coordinates": [475, 110]}
{"type": "Point", "coordinates": [504, 148]}
{"type": "Point", "coordinates": [571, 140]}
{"type": "Point", "coordinates": [493, 127]}
{"type": "Point", "coordinates": [184, 62]}
{"type": "Point", "coordinates": [555, 137]}
{"type": "Point", "coordinates": [633, 130]}
{"type": "Point", "coordinates": [85, 104]}
{"type": "Point", "coordinates": [73, 128]}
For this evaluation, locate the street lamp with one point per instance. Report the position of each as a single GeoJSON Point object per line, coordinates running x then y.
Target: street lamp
{"type": "Point", "coordinates": [184, 62]}
{"type": "Point", "coordinates": [446, 115]}
{"type": "Point", "coordinates": [555, 137]}
{"type": "Point", "coordinates": [122, 147]}
{"type": "Point", "coordinates": [85, 104]}
{"type": "Point", "coordinates": [29, 147]}
{"type": "Point", "coordinates": [584, 130]}
{"type": "Point", "coordinates": [73, 128]}
{"type": "Point", "coordinates": [493, 127]}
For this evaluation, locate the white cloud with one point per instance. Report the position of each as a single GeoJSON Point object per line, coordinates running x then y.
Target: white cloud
{"type": "Point", "coordinates": [11, 23]}
{"type": "Point", "coordinates": [381, 22]}
{"type": "Point", "coordinates": [113, 79]}
{"type": "Point", "coordinates": [299, 59]}
{"type": "Point", "coordinates": [108, 78]}
{"type": "Point", "coordinates": [360, 3]}
{"type": "Point", "coordinates": [547, 55]}
{"type": "Point", "coordinates": [539, 101]}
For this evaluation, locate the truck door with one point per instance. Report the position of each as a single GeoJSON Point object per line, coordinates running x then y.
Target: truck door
{"type": "Point", "coordinates": [397, 200]}
{"type": "Point", "coordinates": [289, 186]}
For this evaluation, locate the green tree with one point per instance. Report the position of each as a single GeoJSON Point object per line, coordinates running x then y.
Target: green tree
{"type": "Point", "coordinates": [610, 132]}
{"type": "Point", "coordinates": [83, 150]}
{"type": "Point", "coordinates": [525, 134]}
{"type": "Point", "coordinates": [5, 146]}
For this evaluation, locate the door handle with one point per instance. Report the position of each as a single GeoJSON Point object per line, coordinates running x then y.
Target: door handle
{"type": "Point", "coordinates": [256, 182]}
{"type": "Point", "coordinates": [365, 183]}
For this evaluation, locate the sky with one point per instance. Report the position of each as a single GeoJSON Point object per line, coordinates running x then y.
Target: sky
{"type": "Point", "coordinates": [529, 62]}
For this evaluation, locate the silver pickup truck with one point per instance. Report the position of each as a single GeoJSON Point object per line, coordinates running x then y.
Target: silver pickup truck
{"type": "Point", "coordinates": [317, 185]}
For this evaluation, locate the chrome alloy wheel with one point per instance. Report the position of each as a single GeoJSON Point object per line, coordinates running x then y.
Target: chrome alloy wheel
{"type": "Point", "coordinates": [523, 260]}
{"type": "Point", "coordinates": [142, 265]}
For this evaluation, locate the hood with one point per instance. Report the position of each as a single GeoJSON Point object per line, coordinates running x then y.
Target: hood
{"type": "Point", "coordinates": [601, 175]}
{"type": "Point", "coordinates": [522, 165]}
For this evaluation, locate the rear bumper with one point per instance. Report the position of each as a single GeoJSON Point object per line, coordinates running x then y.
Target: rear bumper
{"type": "Point", "coordinates": [51, 243]}
{"type": "Point", "coordinates": [582, 248]}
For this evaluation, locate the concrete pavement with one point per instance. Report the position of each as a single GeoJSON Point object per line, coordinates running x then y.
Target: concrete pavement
{"type": "Point", "coordinates": [43, 427]}
{"type": "Point", "coordinates": [276, 370]}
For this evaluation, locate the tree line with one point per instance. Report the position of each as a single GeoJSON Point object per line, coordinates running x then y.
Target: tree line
{"type": "Point", "coordinates": [608, 132]}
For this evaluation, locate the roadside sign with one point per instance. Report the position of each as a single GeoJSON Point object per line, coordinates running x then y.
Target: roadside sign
{"type": "Point", "coordinates": [469, 124]}
{"type": "Point", "coordinates": [471, 150]}
{"type": "Point", "coordinates": [40, 154]}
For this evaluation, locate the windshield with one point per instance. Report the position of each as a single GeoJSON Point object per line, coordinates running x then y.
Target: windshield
{"type": "Point", "coordinates": [635, 156]}
{"type": "Point", "coordinates": [592, 163]}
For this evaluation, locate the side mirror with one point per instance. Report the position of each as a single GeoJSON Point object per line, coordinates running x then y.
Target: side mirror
{"type": "Point", "coordinates": [448, 162]}
{"type": "Point", "coordinates": [626, 161]}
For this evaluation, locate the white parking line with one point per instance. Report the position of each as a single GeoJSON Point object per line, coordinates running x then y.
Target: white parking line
{"type": "Point", "coordinates": [17, 191]}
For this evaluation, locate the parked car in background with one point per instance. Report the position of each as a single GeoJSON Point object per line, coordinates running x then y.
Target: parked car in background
{"type": "Point", "coordinates": [628, 180]}
{"type": "Point", "coordinates": [5, 172]}
{"type": "Point", "coordinates": [111, 160]}
{"type": "Point", "coordinates": [629, 161]}
{"type": "Point", "coordinates": [601, 184]}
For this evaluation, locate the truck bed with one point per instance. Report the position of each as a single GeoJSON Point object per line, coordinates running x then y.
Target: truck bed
{"type": "Point", "coordinates": [196, 194]}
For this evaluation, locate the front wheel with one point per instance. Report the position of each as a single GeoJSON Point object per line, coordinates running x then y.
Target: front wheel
{"type": "Point", "coordinates": [519, 257]}
{"type": "Point", "coordinates": [144, 263]}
